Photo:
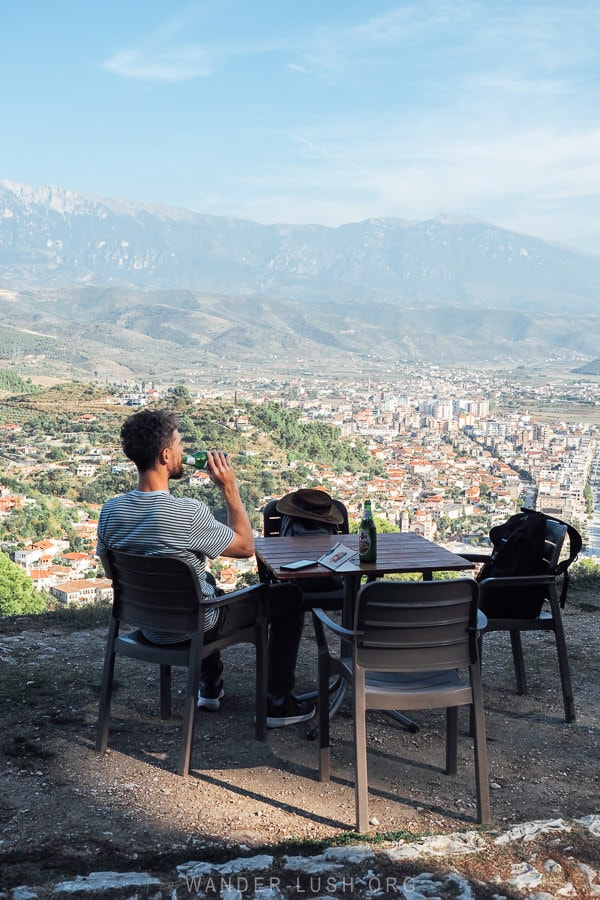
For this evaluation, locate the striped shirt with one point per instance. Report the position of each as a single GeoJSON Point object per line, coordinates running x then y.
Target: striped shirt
{"type": "Point", "coordinates": [156, 522]}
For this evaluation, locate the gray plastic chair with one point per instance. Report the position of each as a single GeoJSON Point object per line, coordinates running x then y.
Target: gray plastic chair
{"type": "Point", "coordinates": [549, 618]}
{"type": "Point", "coordinates": [409, 641]}
{"type": "Point", "coordinates": [163, 592]}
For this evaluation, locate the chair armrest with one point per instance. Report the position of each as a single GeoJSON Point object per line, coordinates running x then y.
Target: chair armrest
{"type": "Point", "coordinates": [322, 616]}
{"type": "Point", "coordinates": [516, 581]}
{"type": "Point", "coordinates": [476, 557]}
{"type": "Point", "coordinates": [320, 619]}
{"type": "Point", "coordinates": [258, 591]}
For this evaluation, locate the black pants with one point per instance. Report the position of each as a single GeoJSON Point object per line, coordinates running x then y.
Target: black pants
{"type": "Point", "coordinates": [286, 620]}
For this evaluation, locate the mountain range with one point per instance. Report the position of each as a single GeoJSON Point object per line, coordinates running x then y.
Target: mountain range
{"type": "Point", "coordinates": [121, 288]}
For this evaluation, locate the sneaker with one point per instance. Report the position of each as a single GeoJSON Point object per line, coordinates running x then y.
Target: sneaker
{"type": "Point", "coordinates": [210, 694]}
{"type": "Point", "coordinates": [290, 712]}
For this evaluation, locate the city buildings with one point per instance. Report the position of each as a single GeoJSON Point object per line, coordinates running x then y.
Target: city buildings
{"type": "Point", "coordinates": [452, 453]}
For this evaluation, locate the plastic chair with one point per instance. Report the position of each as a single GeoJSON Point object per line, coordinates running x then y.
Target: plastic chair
{"type": "Point", "coordinates": [328, 594]}
{"type": "Point", "coordinates": [163, 592]}
{"type": "Point", "coordinates": [409, 640]}
{"type": "Point", "coordinates": [549, 618]}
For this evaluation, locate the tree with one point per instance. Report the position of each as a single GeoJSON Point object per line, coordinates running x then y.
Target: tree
{"type": "Point", "coordinates": [188, 431]}
{"type": "Point", "coordinates": [246, 579]}
{"type": "Point", "coordinates": [57, 453]}
{"type": "Point", "coordinates": [179, 397]}
{"type": "Point", "coordinates": [17, 594]}
{"type": "Point", "coordinates": [106, 485]}
{"type": "Point", "coordinates": [384, 526]}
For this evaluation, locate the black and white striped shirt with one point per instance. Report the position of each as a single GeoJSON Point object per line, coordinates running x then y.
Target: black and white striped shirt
{"type": "Point", "coordinates": [156, 522]}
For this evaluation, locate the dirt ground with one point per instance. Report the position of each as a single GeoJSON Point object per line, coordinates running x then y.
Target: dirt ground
{"type": "Point", "coordinates": [67, 810]}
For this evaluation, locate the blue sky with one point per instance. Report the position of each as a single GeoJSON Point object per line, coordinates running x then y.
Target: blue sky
{"type": "Point", "coordinates": [302, 111]}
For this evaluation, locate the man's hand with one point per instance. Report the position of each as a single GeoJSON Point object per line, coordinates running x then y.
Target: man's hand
{"type": "Point", "coordinates": [220, 472]}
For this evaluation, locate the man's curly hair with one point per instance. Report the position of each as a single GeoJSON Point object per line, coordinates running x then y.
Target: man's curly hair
{"type": "Point", "coordinates": [145, 434]}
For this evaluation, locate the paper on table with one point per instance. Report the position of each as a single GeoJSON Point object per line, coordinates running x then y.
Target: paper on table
{"type": "Point", "coordinates": [338, 558]}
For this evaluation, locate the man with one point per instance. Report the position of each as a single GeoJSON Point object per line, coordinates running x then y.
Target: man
{"type": "Point", "coordinates": [151, 520]}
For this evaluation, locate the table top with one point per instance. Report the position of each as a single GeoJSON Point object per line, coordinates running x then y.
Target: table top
{"type": "Point", "coordinates": [397, 552]}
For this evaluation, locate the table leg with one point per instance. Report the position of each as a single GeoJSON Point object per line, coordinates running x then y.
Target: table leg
{"type": "Point", "coordinates": [409, 724]}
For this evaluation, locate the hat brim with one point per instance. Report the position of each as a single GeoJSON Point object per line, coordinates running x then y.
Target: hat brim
{"type": "Point", "coordinates": [287, 506]}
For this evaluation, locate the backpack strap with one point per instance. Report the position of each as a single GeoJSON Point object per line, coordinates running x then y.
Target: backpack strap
{"type": "Point", "coordinates": [575, 545]}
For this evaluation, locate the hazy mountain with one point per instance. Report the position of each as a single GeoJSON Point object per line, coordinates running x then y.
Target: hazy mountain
{"type": "Point", "coordinates": [590, 368]}
{"type": "Point", "coordinates": [141, 283]}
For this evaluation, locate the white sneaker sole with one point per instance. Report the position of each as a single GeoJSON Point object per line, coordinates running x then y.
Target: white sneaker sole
{"type": "Point", "coordinates": [210, 703]}
{"type": "Point", "coordinates": [281, 722]}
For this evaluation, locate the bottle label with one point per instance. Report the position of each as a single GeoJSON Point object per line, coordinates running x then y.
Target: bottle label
{"type": "Point", "coordinates": [199, 459]}
{"type": "Point", "coordinates": [364, 542]}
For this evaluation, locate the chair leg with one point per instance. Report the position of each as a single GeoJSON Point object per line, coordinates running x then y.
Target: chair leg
{"type": "Point", "coordinates": [480, 749]}
{"type": "Point", "coordinates": [261, 683]}
{"type": "Point", "coordinates": [324, 751]}
{"type": "Point", "coordinates": [106, 689]}
{"type": "Point", "coordinates": [189, 708]}
{"type": "Point", "coordinates": [471, 710]}
{"type": "Point", "coordinates": [187, 734]}
{"type": "Point", "coordinates": [360, 755]}
{"type": "Point", "coordinates": [518, 661]}
{"type": "Point", "coordinates": [451, 740]}
{"type": "Point", "coordinates": [564, 669]}
{"type": "Point", "coordinates": [165, 692]}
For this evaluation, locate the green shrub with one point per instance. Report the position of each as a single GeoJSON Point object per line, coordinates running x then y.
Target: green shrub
{"type": "Point", "coordinates": [67, 617]}
{"type": "Point", "coordinates": [585, 573]}
{"type": "Point", "coordinates": [17, 593]}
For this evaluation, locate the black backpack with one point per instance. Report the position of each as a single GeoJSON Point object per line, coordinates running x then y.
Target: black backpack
{"type": "Point", "coordinates": [519, 549]}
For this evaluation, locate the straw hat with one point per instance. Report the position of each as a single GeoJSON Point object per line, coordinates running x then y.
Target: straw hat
{"type": "Point", "coordinates": [309, 503]}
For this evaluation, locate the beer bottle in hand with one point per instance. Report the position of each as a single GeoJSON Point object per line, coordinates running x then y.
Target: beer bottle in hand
{"type": "Point", "coordinates": [199, 459]}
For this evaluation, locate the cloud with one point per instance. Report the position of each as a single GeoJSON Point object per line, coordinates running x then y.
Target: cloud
{"type": "Point", "coordinates": [538, 181]}
{"type": "Point", "coordinates": [486, 109]}
{"type": "Point", "coordinates": [167, 54]}
{"type": "Point", "coordinates": [176, 64]}
{"type": "Point", "coordinates": [170, 53]}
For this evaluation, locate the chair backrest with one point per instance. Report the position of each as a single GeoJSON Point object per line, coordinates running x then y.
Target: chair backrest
{"type": "Point", "coordinates": [419, 626]}
{"type": "Point", "coordinates": [272, 519]}
{"type": "Point", "coordinates": [159, 592]}
{"type": "Point", "coordinates": [554, 539]}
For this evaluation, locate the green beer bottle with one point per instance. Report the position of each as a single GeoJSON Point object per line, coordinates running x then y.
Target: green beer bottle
{"type": "Point", "coordinates": [199, 459]}
{"type": "Point", "coordinates": [367, 536]}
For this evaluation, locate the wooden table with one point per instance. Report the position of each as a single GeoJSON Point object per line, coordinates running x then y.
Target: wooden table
{"type": "Point", "coordinates": [397, 552]}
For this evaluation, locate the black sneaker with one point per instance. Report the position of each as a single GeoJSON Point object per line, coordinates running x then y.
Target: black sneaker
{"type": "Point", "coordinates": [290, 712]}
{"type": "Point", "coordinates": [210, 694]}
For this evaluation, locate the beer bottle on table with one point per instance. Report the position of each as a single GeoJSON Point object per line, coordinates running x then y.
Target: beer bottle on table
{"type": "Point", "coordinates": [199, 459]}
{"type": "Point", "coordinates": [367, 536]}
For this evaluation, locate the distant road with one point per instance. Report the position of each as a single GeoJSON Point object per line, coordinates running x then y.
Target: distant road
{"type": "Point", "coordinates": [592, 547]}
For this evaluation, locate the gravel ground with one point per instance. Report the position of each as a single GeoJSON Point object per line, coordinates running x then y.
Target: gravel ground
{"type": "Point", "coordinates": [67, 810]}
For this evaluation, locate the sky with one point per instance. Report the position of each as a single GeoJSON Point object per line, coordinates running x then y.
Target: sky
{"type": "Point", "coordinates": [298, 111]}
